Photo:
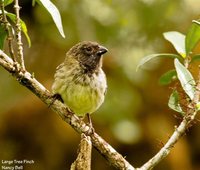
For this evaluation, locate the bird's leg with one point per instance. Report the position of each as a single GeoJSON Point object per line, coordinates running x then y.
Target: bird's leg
{"type": "Point", "coordinates": [90, 123]}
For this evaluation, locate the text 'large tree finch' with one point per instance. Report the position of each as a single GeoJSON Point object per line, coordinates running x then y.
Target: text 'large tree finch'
{"type": "Point", "coordinates": [80, 80]}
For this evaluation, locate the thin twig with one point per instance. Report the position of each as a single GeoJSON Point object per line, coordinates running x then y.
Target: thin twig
{"type": "Point", "coordinates": [18, 34]}
{"type": "Point", "coordinates": [27, 80]}
{"type": "Point", "coordinates": [8, 29]}
{"type": "Point", "coordinates": [179, 131]}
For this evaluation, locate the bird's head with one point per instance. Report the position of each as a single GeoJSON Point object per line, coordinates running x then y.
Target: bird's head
{"type": "Point", "coordinates": [88, 54]}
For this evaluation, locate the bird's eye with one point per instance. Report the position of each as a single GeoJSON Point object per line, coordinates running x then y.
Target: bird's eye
{"type": "Point", "coordinates": [88, 49]}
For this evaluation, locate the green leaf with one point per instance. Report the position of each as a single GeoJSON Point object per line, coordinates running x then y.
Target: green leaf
{"type": "Point", "coordinates": [55, 14]}
{"type": "Point", "coordinates": [3, 35]}
{"type": "Point", "coordinates": [25, 31]}
{"type": "Point", "coordinates": [23, 26]}
{"type": "Point", "coordinates": [173, 102]}
{"type": "Point", "coordinates": [192, 37]}
{"type": "Point", "coordinates": [177, 40]}
{"type": "Point", "coordinates": [152, 56]}
{"type": "Point", "coordinates": [7, 2]}
{"type": "Point", "coordinates": [167, 77]}
{"type": "Point", "coordinates": [195, 58]}
{"type": "Point", "coordinates": [33, 2]}
{"type": "Point", "coordinates": [186, 79]}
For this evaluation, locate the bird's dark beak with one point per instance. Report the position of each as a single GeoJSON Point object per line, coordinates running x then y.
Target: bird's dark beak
{"type": "Point", "coordinates": [102, 50]}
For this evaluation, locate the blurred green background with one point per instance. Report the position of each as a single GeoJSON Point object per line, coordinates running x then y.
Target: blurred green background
{"type": "Point", "coordinates": [134, 118]}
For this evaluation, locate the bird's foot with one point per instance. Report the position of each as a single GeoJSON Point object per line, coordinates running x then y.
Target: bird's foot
{"type": "Point", "coordinates": [54, 98]}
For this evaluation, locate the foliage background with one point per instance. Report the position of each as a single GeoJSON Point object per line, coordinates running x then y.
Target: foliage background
{"type": "Point", "coordinates": [134, 119]}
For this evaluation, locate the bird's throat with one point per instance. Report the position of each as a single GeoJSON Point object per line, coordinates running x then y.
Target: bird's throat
{"type": "Point", "coordinates": [92, 66]}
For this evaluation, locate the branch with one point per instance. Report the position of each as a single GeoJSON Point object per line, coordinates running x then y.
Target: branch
{"type": "Point", "coordinates": [114, 158]}
{"type": "Point", "coordinates": [19, 37]}
{"type": "Point", "coordinates": [83, 160]}
{"type": "Point", "coordinates": [27, 80]}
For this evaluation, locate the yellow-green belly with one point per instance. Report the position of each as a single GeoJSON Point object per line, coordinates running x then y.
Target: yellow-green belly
{"type": "Point", "coordinates": [83, 99]}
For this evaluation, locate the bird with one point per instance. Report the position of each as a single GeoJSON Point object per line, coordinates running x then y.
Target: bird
{"type": "Point", "coordinates": [80, 81]}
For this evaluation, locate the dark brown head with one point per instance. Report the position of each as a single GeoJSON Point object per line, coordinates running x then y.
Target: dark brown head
{"type": "Point", "coordinates": [88, 54]}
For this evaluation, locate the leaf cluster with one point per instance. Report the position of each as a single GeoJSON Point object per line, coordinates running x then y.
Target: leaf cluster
{"type": "Point", "coordinates": [184, 46]}
{"type": "Point", "coordinates": [47, 4]}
